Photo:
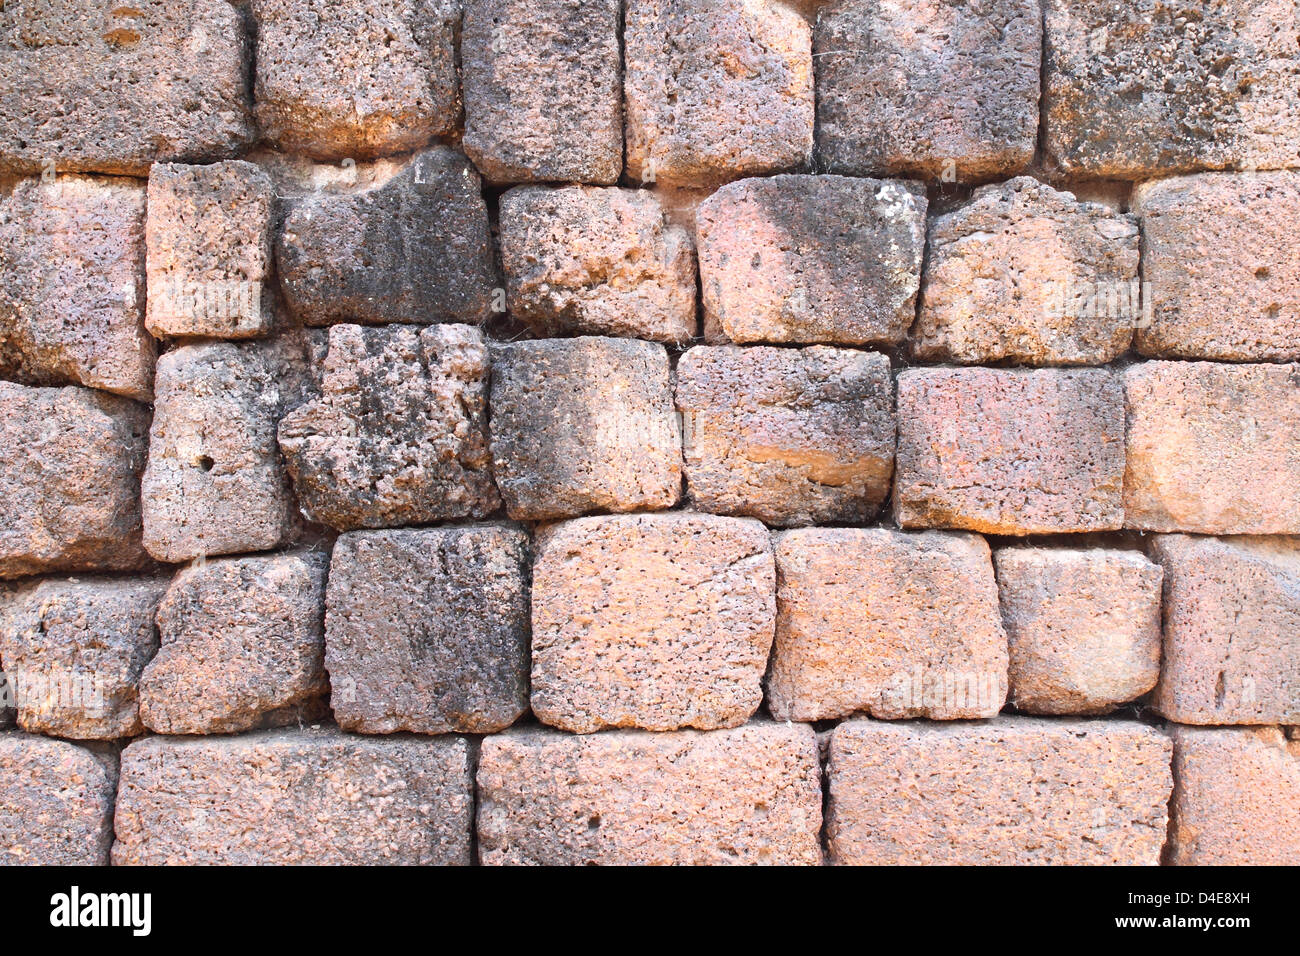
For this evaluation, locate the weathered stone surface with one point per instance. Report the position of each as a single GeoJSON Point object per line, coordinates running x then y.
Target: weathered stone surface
{"type": "Point", "coordinates": [74, 649]}
{"type": "Point", "coordinates": [209, 250]}
{"type": "Point", "coordinates": [399, 433]}
{"type": "Point", "coordinates": [1010, 792]}
{"type": "Point", "coordinates": [789, 436]}
{"type": "Point", "coordinates": [1232, 614]}
{"type": "Point", "coordinates": [1213, 448]}
{"type": "Point", "coordinates": [85, 86]}
{"type": "Point", "coordinates": [214, 483]}
{"type": "Point", "coordinates": [426, 629]}
{"type": "Point", "coordinates": [412, 247]}
{"type": "Point", "coordinates": [56, 803]}
{"type": "Point", "coordinates": [1219, 251]}
{"type": "Point", "coordinates": [290, 797]}
{"type": "Point", "coordinates": [8, 708]}
{"type": "Point", "coordinates": [716, 90]}
{"type": "Point", "coordinates": [1025, 273]}
{"type": "Point", "coordinates": [243, 646]}
{"type": "Point", "coordinates": [651, 621]}
{"type": "Point", "coordinates": [1010, 451]}
{"type": "Point", "coordinates": [885, 622]}
{"type": "Point", "coordinates": [582, 425]}
{"type": "Point", "coordinates": [1236, 798]}
{"type": "Point", "coordinates": [72, 284]}
{"type": "Point", "coordinates": [1083, 627]}
{"type": "Point", "coordinates": [355, 78]}
{"type": "Point", "coordinates": [811, 259]}
{"type": "Point", "coordinates": [749, 795]}
{"type": "Point", "coordinates": [928, 88]}
{"type": "Point", "coordinates": [70, 480]}
{"type": "Point", "coordinates": [1135, 91]}
{"type": "Point", "coordinates": [543, 90]}
{"type": "Point", "coordinates": [603, 261]}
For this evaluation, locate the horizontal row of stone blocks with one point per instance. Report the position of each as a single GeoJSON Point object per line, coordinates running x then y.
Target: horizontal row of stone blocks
{"type": "Point", "coordinates": [696, 91]}
{"type": "Point", "coordinates": [1011, 791]}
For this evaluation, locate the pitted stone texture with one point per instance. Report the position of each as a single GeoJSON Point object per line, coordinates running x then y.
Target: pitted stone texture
{"type": "Point", "coordinates": [8, 710]}
{"type": "Point", "coordinates": [411, 248]}
{"type": "Point", "coordinates": [602, 261]}
{"type": "Point", "coordinates": [1137, 91]}
{"type": "Point", "coordinates": [355, 78]}
{"type": "Point", "coordinates": [70, 480]}
{"type": "Point", "coordinates": [716, 90]}
{"type": "Point", "coordinates": [426, 629]}
{"type": "Point", "coordinates": [74, 649]}
{"type": "Point", "coordinates": [1212, 448]}
{"type": "Point", "coordinates": [291, 797]}
{"type": "Point", "coordinates": [811, 259]}
{"type": "Point", "coordinates": [1025, 273]}
{"type": "Point", "coordinates": [215, 483]}
{"type": "Point", "coordinates": [1219, 251]}
{"type": "Point", "coordinates": [582, 425]}
{"type": "Point", "coordinates": [72, 285]}
{"type": "Point", "coordinates": [243, 646]}
{"type": "Point", "coordinates": [543, 90]}
{"type": "Point", "coordinates": [1083, 627]}
{"type": "Point", "coordinates": [209, 250]}
{"type": "Point", "coordinates": [928, 88]}
{"type": "Point", "coordinates": [894, 624]}
{"type": "Point", "coordinates": [399, 433]}
{"type": "Point", "coordinates": [651, 621]}
{"type": "Point", "coordinates": [743, 796]}
{"type": "Point", "coordinates": [56, 803]}
{"type": "Point", "coordinates": [1236, 798]}
{"type": "Point", "coordinates": [789, 436]}
{"type": "Point", "coordinates": [95, 87]}
{"type": "Point", "coordinates": [1010, 451]}
{"type": "Point", "coordinates": [1232, 616]}
{"type": "Point", "coordinates": [1014, 791]}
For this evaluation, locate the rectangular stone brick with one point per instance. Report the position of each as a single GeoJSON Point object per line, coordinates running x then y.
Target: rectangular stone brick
{"type": "Point", "coordinates": [789, 436]}
{"type": "Point", "coordinates": [543, 90]}
{"type": "Point", "coordinates": [242, 646]}
{"type": "Point", "coordinates": [1213, 448]}
{"type": "Point", "coordinates": [1219, 252]}
{"type": "Point", "coordinates": [1010, 792]}
{"type": "Point", "coordinates": [651, 621]}
{"type": "Point", "coordinates": [715, 90]}
{"type": "Point", "coordinates": [74, 649]}
{"type": "Point", "coordinates": [426, 629]}
{"type": "Point", "coordinates": [582, 425]}
{"type": "Point", "coordinates": [743, 796]}
{"type": "Point", "coordinates": [70, 480]}
{"type": "Point", "coordinates": [1232, 616]}
{"type": "Point", "coordinates": [871, 620]}
{"type": "Point", "coordinates": [1083, 627]}
{"type": "Point", "coordinates": [1025, 273]}
{"type": "Point", "coordinates": [72, 285]}
{"type": "Point", "coordinates": [927, 88]}
{"type": "Point", "coordinates": [1236, 798]}
{"type": "Point", "coordinates": [56, 803]}
{"type": "Point", "coordinates": [811, 259]}
{"type": "Point", "coordinates": [600, 261]}
{"type": "Point", "coordinates": [293, 797]}
{"type": "Point", "coordinates": [1010, 451]}
{"type": "Point", "coordinates": [93, 87]}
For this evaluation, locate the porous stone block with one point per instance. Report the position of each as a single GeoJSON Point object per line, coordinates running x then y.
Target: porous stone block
{"type": "Point", "coordinates": [582, 425]}
{"type": "Point", "coordinates": [651, 621]}
{"type": "Point", "coordinates": [1010, 451]}
{"type": "Point", "coordinates": [744, 796]}
{"type": "Point", "coordinates": [811, 259]}
{"type": "Point", "coordinates": [242, 646]}
{"type": "Point", "coordinates": [56, 803]}
{"type": "Point", "coordinates": [426, 629]}
{"type": "Point", "coordinates": [1014, 791]}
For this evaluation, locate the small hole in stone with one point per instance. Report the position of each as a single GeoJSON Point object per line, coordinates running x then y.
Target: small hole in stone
{"type": "Point", "coordinates": [1261, 272]}
{"type": "Point", "coordinates": [593, 823]}
{"type": "Point", "coordinates": [206, 463]}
